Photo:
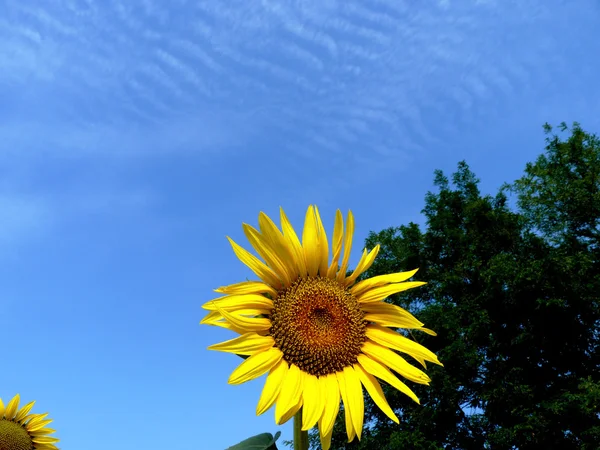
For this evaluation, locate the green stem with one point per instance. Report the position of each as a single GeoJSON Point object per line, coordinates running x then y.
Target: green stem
{"type": "Point", "coordinates": [300, 437]}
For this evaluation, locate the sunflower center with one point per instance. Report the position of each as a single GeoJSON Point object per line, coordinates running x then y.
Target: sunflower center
{"type": "Point", "coordinates": [13, 436]}
{"type": "Point", "coordinates": [318, 325]}
{"type": "Point", "coordinates": [320, 318]}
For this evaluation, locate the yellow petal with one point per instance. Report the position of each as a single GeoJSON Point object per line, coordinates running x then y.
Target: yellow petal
{"type": "Point", "coordinates": [12, 407]}
{"type": "Point", "coordinates": [247, 324]}
{"type": "Point", "coordinates": [264, 249]}
{"type": "Point", "coordinates": [310, 242]}
{"type": "Point", "coordinates": [235, 302]}
{"type": "Point", "coordinates": [356, 400]}
{"type": "Point", "coordinates": [314, 402]}
{"type": "Point", "coordinates": [43, 432]}
{"type": "Point", "coordinates": [215, 316]}
{"type": "Point", "coordinates": [350, 432]}
{"type": "Point", "coordinates": [46, 447]}
{"type": "Point", "coordinates": [394, 361]}
{"type": "Point", "coordinates": [331, 393]}
{"type": "Point", "coordinates": [347, 247]}
{"type": "Point", "coordinates": [211, 317]}
{"type": "Point", "coordinates": [380, 280]}
{"type": "Point", "coordinates": [325, 439]}
{"type": "Point", "coordinates": [420, 361]}
{"type": "Point", "coordinates": [227, 326]}
{"type": "Point", "coordinates": [45, 440]}
{"type": "Point", "coordinates": [428, 331]}
{"type": "Point", "coordinates": [392, 321]}
{"type": "Point", "coordinates": [294, 244]}
{"type": "Point", "coordinates": [257, 266]}
{"type": "Point", "coordinates": [278, 243]}
{"type": "Point", "coordinates": [363, 265]}
{"type": "Point", "coordinates": [292, 412]}
{"type": "Point", "coordinates": [391, 339]}
{"type": "Point", "coordinates": [380, 371]}
{"type": "Point", "coordinates": [389, 315]}
{"type": "Point", "coordinates": [374, 389]}
{"type": "Point", "coordinates": [290, 395]}
{"type": "Point", "coordinates": [323, 245]}
{"type": "Point", "coordinates": [379, 293]}
{"type": "Point", "coordinates": [272, 387]}
{"type": "Point", "coordinates": [37, 423]}
{"type": "Point", "coordinates": [24, 411]}
{"type": "Point", "coordinates": [245, 317]}
{"type": "Point", "coordinates": [336, 244]}
{"type": "Point", "coordinates": [247, 287]}
{"type": "Point", "coordinates": [30, 417]}
{"type": "Point", "coordinates": [246, 344]}
{"type": "Point", "coordinates": [1, 408]}
{"type": "Point", "coordinates": [256, 365]}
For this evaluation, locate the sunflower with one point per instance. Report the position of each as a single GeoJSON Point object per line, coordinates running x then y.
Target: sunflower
{"type": "Point", "coordinates": [319, 333]}
{"type": "Point", "coordinates": [20, 430]}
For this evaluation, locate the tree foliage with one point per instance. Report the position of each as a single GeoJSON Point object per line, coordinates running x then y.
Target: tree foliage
{"type": "Point", "coordinates": [514, 298]}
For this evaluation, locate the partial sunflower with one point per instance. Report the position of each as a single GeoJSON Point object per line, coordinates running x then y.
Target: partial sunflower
{"type": "Point", "coordinates": [319, 334]}
{"type": "Point", "coordinates": [20, 430]}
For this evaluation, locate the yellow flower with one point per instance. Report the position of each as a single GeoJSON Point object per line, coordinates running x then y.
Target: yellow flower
{"type": "Point", "coordinates": [20, 430]}
{"type": "Point", "coordinates": [319, 334]}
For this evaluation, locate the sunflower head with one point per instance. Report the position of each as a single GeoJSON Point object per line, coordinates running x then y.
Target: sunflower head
{"type": "Point", "coordinates": [20, 430]}
{"type": "Point", "coordinates": [321, 335]}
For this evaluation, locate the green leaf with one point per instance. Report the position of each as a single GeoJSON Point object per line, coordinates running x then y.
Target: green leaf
{"type": "Point", "coordinates": [264, 441]}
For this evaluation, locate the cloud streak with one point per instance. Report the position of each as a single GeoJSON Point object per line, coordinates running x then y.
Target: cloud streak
{"type": "Point", "coordinates": [336, 83]}
{"type": "Point", "coordinates": [160, 62]}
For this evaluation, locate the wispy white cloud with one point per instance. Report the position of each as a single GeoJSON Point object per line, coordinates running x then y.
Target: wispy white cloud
{"type": "Point", "coordinates": [359, 79]}
{"type": "Point", "coordinates": [199, 54]}
{"type": "Point", "coordinates": [355, 31]}
{"type": "Point", "coordinates": [380, 19]}
{"type": "Point", "coordinates": [47, 21]}
{"type": "Point", "coordinates": [307, 58]}
{"type": "Point", "coordinates": [126, 13]}
{"type": "Point", "coordinates": [156, 10]}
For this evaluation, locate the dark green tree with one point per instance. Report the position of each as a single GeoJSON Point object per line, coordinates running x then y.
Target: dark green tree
{"type": "Point", "coordinates": [514, 298]}
{"type": "Point", "coordinates": [560, 193]}
{"type": "Point", "coordinates": [552, 358]}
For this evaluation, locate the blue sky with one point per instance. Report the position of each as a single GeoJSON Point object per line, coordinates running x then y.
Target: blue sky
{"type": "Point", "coordinates": [134, 136]}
